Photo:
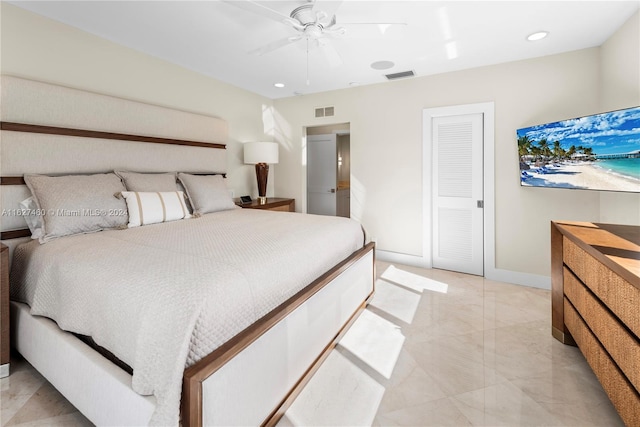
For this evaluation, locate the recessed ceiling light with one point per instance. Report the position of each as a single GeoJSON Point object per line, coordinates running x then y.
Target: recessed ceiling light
{"type": "Point", "coordinates": [382, 65]}
{"type": "Point", "coordinates": [278, 84]}
{"type": "Point", "coordinates": [539, 35]}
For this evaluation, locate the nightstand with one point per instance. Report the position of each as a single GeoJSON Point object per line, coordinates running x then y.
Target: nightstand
{"type": "Point", "coordinates": [272, 204]}
{"type": "Point", "coordinates": [4, 312]}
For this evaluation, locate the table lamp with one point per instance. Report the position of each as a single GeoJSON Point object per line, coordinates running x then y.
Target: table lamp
{"type": "Point", "coordinates": [261, 154]}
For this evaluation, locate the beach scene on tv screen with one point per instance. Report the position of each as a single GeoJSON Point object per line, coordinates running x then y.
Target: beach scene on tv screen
{"type": "Point", "coordinates": [598, 152]}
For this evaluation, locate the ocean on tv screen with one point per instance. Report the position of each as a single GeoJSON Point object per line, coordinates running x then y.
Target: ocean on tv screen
{"type": "Point", "coordinates": [598, 152]}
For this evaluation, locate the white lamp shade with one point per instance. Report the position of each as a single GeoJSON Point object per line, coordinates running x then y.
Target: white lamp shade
{"type": "Point", "coordinates": [260, 152]}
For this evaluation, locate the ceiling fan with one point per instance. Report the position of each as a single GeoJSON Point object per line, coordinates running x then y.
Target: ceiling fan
{"type": "Point", "coordinates": [314, 23]}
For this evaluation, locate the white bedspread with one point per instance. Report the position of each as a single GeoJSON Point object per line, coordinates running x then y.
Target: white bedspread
{"type": "Point", "coordinates": [160, 297]}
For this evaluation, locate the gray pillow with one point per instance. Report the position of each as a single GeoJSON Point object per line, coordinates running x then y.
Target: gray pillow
{"type": "Point", "coordinates": [207, 193]}
{"type": "Point", "coordinates": [159, 182]}
{"type": "Point", "coordinates": [75, 204]}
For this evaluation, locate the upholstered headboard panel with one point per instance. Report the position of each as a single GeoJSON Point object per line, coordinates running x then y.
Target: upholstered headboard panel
{"type": "Point", "coordinates": [173, 140]}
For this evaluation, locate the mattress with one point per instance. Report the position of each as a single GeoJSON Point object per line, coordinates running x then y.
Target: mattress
{"type": "Point", "coordinates": [160, 297]}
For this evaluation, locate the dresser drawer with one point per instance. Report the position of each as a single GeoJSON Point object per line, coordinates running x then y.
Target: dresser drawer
{"type": "Point", "coordinates": [620, 343]}
{"type": "Point", "coordinates": [620, 296]}
{"type": "Point", "coordinates": [622, 394]}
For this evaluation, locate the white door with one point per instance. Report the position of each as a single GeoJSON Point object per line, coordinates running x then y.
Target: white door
{"type": "Point", "coordinates": [458, 193]}
{"type": "Point", "coordinates": [322, 173]}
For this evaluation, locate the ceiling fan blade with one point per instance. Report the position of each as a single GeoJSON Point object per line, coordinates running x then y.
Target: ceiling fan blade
{"type": "Point", "coordinates": [334, 31]}
{"type": "Point", "coordinates": [275, 45]}
{"type": "Point", "coordinates": [327, 6]}
{"type": "Point", "coordinates": [259, 9]}
{"type": "Point", "coordinates": [330, 53]}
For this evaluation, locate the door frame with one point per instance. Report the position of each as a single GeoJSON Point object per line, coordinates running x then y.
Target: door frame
{"type": "Point", "coordinates": [487, 110]}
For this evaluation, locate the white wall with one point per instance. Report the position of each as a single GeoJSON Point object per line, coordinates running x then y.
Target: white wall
{"type": "Point", "coordinates": [386, 147]}
{"type": "Point", "coordinates": [41, 49]}
{"type": "Point", "coordinates": [620, 88]}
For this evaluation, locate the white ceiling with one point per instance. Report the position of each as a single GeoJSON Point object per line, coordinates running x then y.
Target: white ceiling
{"type": "Point", "coordinates": [215, 38]}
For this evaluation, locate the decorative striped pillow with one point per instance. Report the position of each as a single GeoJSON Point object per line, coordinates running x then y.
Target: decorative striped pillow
{"type": "Point", "coordinates": [154, 207]}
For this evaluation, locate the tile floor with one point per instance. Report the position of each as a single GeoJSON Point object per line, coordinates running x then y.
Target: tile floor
{"type": "Point", "coordinates": [433, 348]}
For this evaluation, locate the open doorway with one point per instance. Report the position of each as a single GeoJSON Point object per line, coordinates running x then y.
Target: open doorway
{"type": "Point", "coordinates": [329, 170]}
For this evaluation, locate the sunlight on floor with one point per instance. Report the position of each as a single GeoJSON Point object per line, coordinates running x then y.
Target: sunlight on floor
{"type": "Point", "coordinates": [413, 281]}
{"type": "Point", "coordinates": [365, 358]}
{"type": "Point", "coordinates": [374, 341]}
{"type": "Point", "coordinates": [395, 300]}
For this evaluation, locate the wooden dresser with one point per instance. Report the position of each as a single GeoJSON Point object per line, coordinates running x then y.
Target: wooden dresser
{"type": "Point", "coordinates": [4, 311]}
{"type": "Point", "coordinates": [595, 274]}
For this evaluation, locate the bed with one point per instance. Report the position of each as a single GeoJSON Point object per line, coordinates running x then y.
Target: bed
{"type": "Point", "coordinates": [281, 312]}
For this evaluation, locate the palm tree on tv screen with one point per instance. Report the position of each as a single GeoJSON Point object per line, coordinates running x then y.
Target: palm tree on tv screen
{"type": "Point", "coordinates": [558, 152]}
{"type": "Point", "coordinates": [588, 151]}
{"type": "Point", "coordinates": [524, 146]}
{"type": "Point", "coordinates": [544, 147]}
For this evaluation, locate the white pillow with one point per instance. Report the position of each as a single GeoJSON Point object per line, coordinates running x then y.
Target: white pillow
{"type": "Point", "coordinates": [77, 204]}
{"type": "Point", "coordinates": [34, 221]}
{"type": "Point", "coordinates": [207, 193]}
{"type": "Point", "coordinates": [154, 207]}
{"type": "Point", "coordinates": [135, 181]}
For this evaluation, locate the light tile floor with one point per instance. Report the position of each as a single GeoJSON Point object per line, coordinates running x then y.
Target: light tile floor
{"type": "Point", "coordinates": [441, 348]}
{"type": "Point", "coordinates": [433, 348]}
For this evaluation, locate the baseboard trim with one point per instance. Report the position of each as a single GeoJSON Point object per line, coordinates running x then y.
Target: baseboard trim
{"type": "Point", "coordinates": [518, 278]}
{"type": "Point", "coordinates": [412, 260]}
{"type": "Point", "coordinates": [497, 274]}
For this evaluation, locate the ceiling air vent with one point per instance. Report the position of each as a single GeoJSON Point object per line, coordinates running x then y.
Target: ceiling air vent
{"type": "Point", "coordinates": [400, 75]}
{"type": "Point", "coordinates": [324, 111]}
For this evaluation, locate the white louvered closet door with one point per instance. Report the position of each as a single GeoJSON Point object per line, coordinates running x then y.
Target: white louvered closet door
{"type": "Point", "coordinates": [458, 193]}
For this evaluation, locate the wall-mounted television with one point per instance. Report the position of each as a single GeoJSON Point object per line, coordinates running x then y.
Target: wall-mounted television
{"type": "Point", "coordinates": [598, 152]}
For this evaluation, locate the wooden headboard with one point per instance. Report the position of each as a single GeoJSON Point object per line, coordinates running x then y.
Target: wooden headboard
{"type": "Point", "coordinates": [55, 130]}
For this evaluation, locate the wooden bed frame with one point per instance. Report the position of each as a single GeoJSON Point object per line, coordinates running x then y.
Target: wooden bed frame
{"type": "Point", "coordinates": [354, 276]}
